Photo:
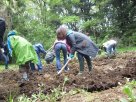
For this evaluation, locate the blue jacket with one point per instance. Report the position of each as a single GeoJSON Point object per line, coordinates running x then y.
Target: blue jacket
{"type": "Point", "coordinates": [39, 48]}
{"type": "Point", "coordinates": [11, 33]}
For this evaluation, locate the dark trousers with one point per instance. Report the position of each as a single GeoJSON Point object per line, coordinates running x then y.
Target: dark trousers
{"type": "Point", "coordinates": [26, 67]}
{"type": "Point", "coordinates": [2, 31]}
{"type": "Point", "coordinates": [39, 65]}
{"type": "Point", "coordinates": [81, 61]}
{"type": "Point", "coordinates": [111, 50]}
{"type": "Point", "coordinates": [5, 59]}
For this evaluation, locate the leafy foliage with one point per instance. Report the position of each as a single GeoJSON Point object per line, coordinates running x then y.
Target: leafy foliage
{"type": "Point", "coordinates": [129, 91]}
{"type": "Point", "coordinates": [37, 20]}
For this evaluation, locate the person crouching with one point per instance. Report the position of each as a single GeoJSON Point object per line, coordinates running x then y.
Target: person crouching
{"type": "Point", "coordinates": [82, 44]}
{"type": "Point", "coordinates": [23, 51]}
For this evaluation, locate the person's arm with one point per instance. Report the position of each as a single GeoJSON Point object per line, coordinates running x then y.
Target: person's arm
{"type": "Point", "coordinates": [9, 46]}
{"type": "Point", "coordinates": [42, 50]}
{"type": "Point", "coordinates": [71, 37]}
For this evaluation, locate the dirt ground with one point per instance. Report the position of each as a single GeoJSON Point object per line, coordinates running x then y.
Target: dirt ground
{"type": "Point", "coordinates": [106, 76]}
{"type": "Point", "coordinates": [111, 95]}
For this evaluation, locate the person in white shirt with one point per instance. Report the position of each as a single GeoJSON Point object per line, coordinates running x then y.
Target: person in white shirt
{"type": "Point", "coordinates": [110, 47]}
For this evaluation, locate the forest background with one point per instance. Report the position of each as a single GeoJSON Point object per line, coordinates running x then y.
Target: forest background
{"type": "Point", "coordinates": [37, 20]}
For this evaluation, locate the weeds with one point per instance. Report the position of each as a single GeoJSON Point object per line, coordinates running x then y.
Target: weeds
{"type": "Point", "coordinates": [55, 95]}
{"type": "Point", "coordinates": [11, 98]}
{"type": "Point", "coordinates": [24, 98]}
{"type": "Point", "coordinates": [128, 89]}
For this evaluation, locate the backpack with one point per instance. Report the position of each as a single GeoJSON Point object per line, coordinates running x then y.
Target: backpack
{"type": "Point", "coordinates": [49, 57]}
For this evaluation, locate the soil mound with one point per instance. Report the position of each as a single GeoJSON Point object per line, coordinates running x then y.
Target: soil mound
{"type": "Point", "coordinates": [106, 73]}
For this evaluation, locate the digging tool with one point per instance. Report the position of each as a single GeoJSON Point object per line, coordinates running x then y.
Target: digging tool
{"type": "Point", "coordinates": [49, 49]}
{"type": "Point", "coordinates": [64, 66]}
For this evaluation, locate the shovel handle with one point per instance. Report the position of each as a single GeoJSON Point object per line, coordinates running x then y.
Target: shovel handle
{"type": "Point", "coordinates": [63, 67]}
{"type": "Point", "coordinates": [49, 49]}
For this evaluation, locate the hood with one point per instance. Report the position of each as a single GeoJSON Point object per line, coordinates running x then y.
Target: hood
{"type": "Point", "coordinates": [69, 32]}
{"type": "Point", "coordinates": [13, 32]}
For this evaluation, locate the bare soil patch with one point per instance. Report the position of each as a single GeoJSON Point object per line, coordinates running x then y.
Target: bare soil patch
{"type": "Point", "coordinates": [106, 74]}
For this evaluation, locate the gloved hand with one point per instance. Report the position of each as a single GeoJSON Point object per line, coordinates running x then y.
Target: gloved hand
{"type": "Point", "coordinates": [70, 56]}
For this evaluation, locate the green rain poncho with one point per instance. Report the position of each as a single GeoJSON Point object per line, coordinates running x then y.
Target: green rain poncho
{"type": "Point", "coordinates": [21, 49]}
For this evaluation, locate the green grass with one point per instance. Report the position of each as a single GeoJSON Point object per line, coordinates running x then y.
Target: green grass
{"type": "Point", "coordinates": [119, 50]}
{"type": "Point", "coordinates": [128, 49]}
{"type": "Point", "coordinates": [129, 90]}
{"type": "Point", "coordinates": [11, 67]}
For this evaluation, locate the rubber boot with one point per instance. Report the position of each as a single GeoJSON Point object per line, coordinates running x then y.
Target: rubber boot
{"type": "Point", "coordinates": [32, 66]}
{"type": "Point", "coordinates": [25, 76]}
{"type": "Point", "coordinates": [89, 63]}
{"type": "Point", "coordinates": [81, 65]}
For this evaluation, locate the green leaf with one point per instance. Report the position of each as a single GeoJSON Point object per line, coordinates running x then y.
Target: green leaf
{"type": "Point", "coordinates": [128, 90]}
{"type": "Point", "coordinates": [70, 19]}
{"type": "Point", "coordinates": [123, 100]}
{"type": "Point", "coordinates": [66, 79]}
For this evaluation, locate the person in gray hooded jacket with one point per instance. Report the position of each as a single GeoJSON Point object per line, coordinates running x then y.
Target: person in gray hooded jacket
{"type": "Point", "coordinates": [81, 43]}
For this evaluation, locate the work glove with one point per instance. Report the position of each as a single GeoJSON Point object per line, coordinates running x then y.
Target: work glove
{"type": "Point", "coordinates": [70, 56]}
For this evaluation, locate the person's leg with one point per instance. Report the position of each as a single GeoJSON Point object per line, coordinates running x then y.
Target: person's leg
{"type": "Point", "coordinates": [27, 66]}
{"type": "Point", "coordinates": [24, 70]}
{"type": "Point", "coordinates": [39, 65]}
{"type": "Point", "coordinates": [104, 48]}
{"type": "Point", "coordinates": [7, 57]}
{"type": "Point", "coordinates": [5, 60]}
{"type": "Point", "coordinates": [64, 51]}
{"type": "Point", "coordinates": [109, 50]}
{"type": "Point", "coordinates": [32, 66]}
{"type": "Point", "coordinates": [57, 52]}
{"type": "Point", "coordinates": [114, 49]}
{"type": "Point", "coordinates": [81, 61]}
{"type": "Point", "coordinates": [89, 62]}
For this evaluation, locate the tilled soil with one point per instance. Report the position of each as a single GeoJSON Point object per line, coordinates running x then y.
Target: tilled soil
{"type": "Point", "coordinates": [114, 94]}
{"type": "Point", "coordinates": [106, 73]}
